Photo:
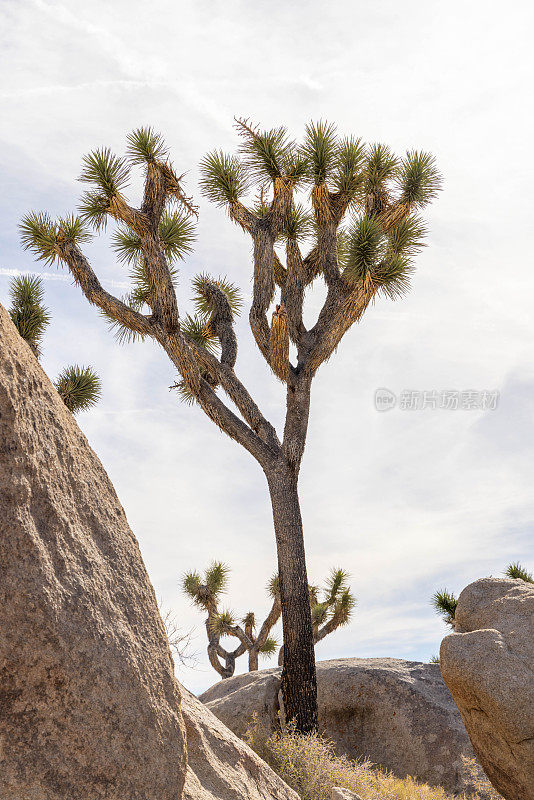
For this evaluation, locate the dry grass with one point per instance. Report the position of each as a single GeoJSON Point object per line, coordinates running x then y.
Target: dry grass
{"type": "Point", "coordinates": [310, 766]}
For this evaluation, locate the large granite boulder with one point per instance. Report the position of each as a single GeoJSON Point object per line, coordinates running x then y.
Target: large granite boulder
{"type": "Point", "coordinates": [221, 766]}
{"type": "Point", "coordinates": [488, 665]}
{"type": "Point", "coordinates": [89, 707]}
{"type": "Point", "coordinates": [398, 713]}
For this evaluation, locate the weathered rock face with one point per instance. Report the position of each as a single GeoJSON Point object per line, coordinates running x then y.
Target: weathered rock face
{"type": "Point", "coordinates": [398, 713]}
{"type": "Point", "coordinates": [488, 665]}
{"type": "Point", "coordinates": [89, 707]}
{"type": "Point", "coordinates": [221, 766]}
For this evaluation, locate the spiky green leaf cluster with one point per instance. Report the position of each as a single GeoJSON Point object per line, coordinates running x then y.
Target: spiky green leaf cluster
{"type": "Point", "coordinates": [110, 175]}
{"type": "Point", "coordinates": [320, 150]}
{"type": "Point", "coordinates": [348, 172]}
{"type": "Point", "coordinates": [336, 584]}
{"type": "Point", "coordinates": [191, 584]}
{"type": "Point", "coordinates": [221, 624]}
{"type": "Point", "coordinates": [273, 586]}
{"type": "Point", "coordinates": [434, 660]}
{"type": "Point", "coordinates": [217, 577]}
{"type": "Point", "coordinates": [108, 172]}
{"type": "Point", "coordinates": [223, 178]}
{"type": "Point", "coordinates": [270, 154]}
{"type": "Point", "coordinates": [517, 571]}
{"type": "Point", "coordinates": [418, 178]}
{"type": "Point", "coordinates": [344, 606]}
{"type": "Point", "coordinates": [79, 387]}
{"type": "Point", "coordinates": [201, 298]}
{"type": "Point", "coordinates": [197, 329]}
{"type": "Point", "coordinates": [176, 233]}
{"type": "Point", "coordinates": [445, 604]}
{"type": "Point", "coordinates": [27, 310]}
{"type": "Point", "coordinates": [44, 237]}
{"type": "Point", "coordinates": [145, 145]}
{"type": "Point", "coordinates": [300, 224]}
{"type": "Point", "coordinates": [38, 233]}
{"type": "Point", "coordinates": [380, 166]}
{"type": "Point", "coordinates": [269, 647]}
{"type": "Point", "coordinates": [383, 260]}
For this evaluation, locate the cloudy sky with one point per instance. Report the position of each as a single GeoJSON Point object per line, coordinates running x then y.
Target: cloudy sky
{"type": "Point", "coordinates": [407, 501]}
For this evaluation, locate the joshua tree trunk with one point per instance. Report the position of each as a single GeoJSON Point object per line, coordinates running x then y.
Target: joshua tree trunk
{"type": "Point", "coordinates": [299, 686]}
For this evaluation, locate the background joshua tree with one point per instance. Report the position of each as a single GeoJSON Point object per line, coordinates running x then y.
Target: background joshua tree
{"type": "Point", "coordinates": [445, 602]}
{"type": "Point", "coordinates": [328, 614]}
{"type": "Point", "coordinates": [78, 387]}
{"type": "Point", "coordinates": [362, 228]}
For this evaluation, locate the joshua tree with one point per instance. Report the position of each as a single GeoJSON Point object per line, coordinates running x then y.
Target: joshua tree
{"type": "Point", "coordinates": [78, 387]}
{"type": "Point", "coordinates": [445, 602]}
{"type": "Point", "coordinates": [359, 258]}
{"type": "Point", "coordinates": [328, 614]}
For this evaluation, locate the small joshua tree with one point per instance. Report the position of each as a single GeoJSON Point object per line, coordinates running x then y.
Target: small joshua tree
{"type": "Point", "coordinates": [78, 387]}
{"type": "Point", "coordinates": [328, 614]}
{"type": "Point", "coordinates": [355, 208]}
{"type": "Point", "coordinates": [445, 602]}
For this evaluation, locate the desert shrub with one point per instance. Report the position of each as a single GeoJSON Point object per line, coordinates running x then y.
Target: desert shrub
{"type": "Point", "coordinates": [309, 764]}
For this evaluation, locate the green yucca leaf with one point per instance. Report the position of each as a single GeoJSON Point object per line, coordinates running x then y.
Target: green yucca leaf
{"type": "Point", "coordinates": [201, 298]}
{"type": "Point", "coordinates": [273, 587]}
{"type": "Point", "coordinates": [393, 275]}
{"type": "Point", "coordinates": [319, 150]}
{"type": "Point", "coordinates": [79, 387]}
{"type": "Point", "coordinates": [93, 208]}
{"type": "Point", "coordinates": [145, 146]}
{"type": "Point", "coordinates": [418, 178]}
{"type": "Point", "coordinates": [336, 583]}
{"type": "Point", "coordinates": [38, 233]}
{"type": "Point", "coordinates": [73, 229]}
{"type": "Point", "coordinates": [445, 604]}
{"type": "Point", "coordinates": [344, 606]}
{"type": "Point", "coordinates": [434, 660]}
{"type": "Point", "coordinates": [348, 168]}
{"type": "Point", "coordinates": [223, 178]}
{"type": "Point", "coordinates": [221, 624]}
{"type": "Point", "coordinates": [270, 154]}
{"type": "Point", "coordinates": [516, 570]}
{"type": "Point", "coordinates": [177, 234]}
{"type": "Point", "coordinates": [191, 583]}
{"type": "Point", "coordinates": [106, 171]}
{"type": "Point", "coordinates": [366, 247]}
{"type": "Point", "coordinates": [27, 311]}
{"type": "Point", "coordinates": [127, 245]}
{"type": "Point", "coordinates": [196, 328]}
{"type": "Point", "coordinates": [269, 647]}
{"type": "Point", "coordinates": [381, 165]}
{"type": "Point", "coordinates": [406, 238]}
{"type": "Point", "coordinates": [26, 290]}
{"type": "Point", "coordinates": [216, 577]}
{"type": "Point", "coordinates": [300, 224]}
